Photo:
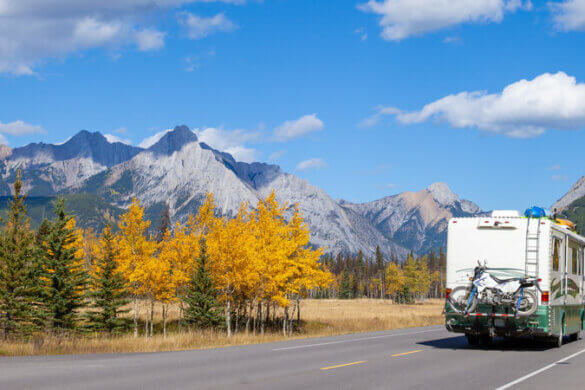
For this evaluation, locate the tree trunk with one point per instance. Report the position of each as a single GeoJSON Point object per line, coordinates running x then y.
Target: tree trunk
{"type": "Point", "coordinates": [298, 312]}
{"type": "Point", "coordinates": [267, 312]}
{"type": "Point", "coordinates": [151, 317]}
{"type": "Point", "coordinates": [290, 321]}
{"type": "Point", "coordinates": [135, 317]}
{"type": "Point", "coordinates": [237, 324]}
{"type": "Point", "coordinates": [146, 326]}
{"type": "Point", "coordinates": [248, 318]}
{"type": "Point", "coordinates": [228, 318]}
{"type": "Point", "coordinates": [284, 321]}
{"type": "Point", "coordinates": [164, 314]}
{"type": "Point", "coordinates": [261, 318]}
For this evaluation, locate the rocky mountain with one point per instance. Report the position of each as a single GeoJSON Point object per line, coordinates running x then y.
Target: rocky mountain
{"type": "Point", "coordinates": [572, 205]}
{"type": "Point", "coordinates": [576, 192]}
{"type": "Point", "coordinates": [99, 177]}
{"type": "Point", "coordinates": [51, 168]}
{"type": "Point", "coordinates": [418, 220]}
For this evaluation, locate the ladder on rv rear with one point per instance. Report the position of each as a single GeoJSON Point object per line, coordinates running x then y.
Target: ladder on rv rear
{"type": "Point", "coordinates": [532, 246]}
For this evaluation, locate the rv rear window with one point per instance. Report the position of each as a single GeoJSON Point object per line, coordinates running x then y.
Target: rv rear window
{"type": "Point", "coordinates": [556, 254]}
{"type": "Point", "coordinates": [574, 248]}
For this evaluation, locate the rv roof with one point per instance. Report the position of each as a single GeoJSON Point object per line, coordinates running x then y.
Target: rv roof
{"type": "Point", "coordinates": [505, 213]}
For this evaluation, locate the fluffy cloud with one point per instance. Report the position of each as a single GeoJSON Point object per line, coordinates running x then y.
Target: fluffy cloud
{"type": "Point", "coordinates": [523, 109]}
{"type": "Point", "coordinates": [297, 128]}
{"type": "Point", "coordinates": [20, 128]}
{"type": "Point", "coordinates": [276, 155]}
{"type": "Point", "coordinates": [34, 31]}
{"type": "Point", "coordinates": [17, 128]}
{"type": "Point", "coordinates": [114, 138]}
{"type": "Point", "coordinates": [313, 163]}
{"type": "Point", "coordinates": [401, 19]}
{"type": "Point", "coordinates": [153, 139]}
{"type": "Point", "coordinates": [199, 27]}
{"type": "Point", "coordinates": [569, 15]}
{"type": "Point", "coordinates": [148, 40]}
{"type": "Point", "coordinates": [230, 141]}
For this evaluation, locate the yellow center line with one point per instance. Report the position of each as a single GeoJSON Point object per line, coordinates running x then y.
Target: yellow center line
{"type": "Point", "coordinates": [343, 365]}
{"type": "Point", "coordinates": [406, 353]}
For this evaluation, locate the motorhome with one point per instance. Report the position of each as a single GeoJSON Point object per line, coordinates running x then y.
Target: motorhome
{"type": "Point", "coordinates": [512, 246]}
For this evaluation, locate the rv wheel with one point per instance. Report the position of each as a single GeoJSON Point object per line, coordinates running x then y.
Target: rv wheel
{"type": "Point", "coordinates": [559, 340]}
{"type": "Point", "coordinates": [486, 339]}
{"type": "Point", "coordinates": [472, 339]}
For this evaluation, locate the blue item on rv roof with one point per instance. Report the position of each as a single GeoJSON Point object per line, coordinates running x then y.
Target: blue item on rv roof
{"type": "Point", "coordinates": [535, 212]}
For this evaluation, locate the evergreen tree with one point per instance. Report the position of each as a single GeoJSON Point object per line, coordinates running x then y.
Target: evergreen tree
{"type": "Point", "coordinates": [345, 286]}
{"type": "Point", "coordinates": [18, 306]}
{"type": "Point", "coordinates": [201, 298]}
{"type": "Point", "coordinates": [63, 270]}
{"type": "Point", "coordinates": [164, 225]}
{"type": "Point", "coordinates": [380, 268]}
{"type": "Point", "coordinates": [107, 289]}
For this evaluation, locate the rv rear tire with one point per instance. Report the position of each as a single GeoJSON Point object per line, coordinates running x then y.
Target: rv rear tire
{"type": "Point", "coordinates": [472, 339]}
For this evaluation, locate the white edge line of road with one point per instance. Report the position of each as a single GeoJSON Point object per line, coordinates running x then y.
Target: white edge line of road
{"type": "Point", "coordinates": [534, 373]}
{"type": "Point", "coordinates": [353, 340]}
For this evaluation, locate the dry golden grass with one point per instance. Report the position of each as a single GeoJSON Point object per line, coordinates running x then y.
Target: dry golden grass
{"type": "Point", "coordinates": [321, 318]}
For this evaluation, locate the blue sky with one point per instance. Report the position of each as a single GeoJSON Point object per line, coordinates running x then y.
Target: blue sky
{"type": "Point", "coordinates": [361, 98]}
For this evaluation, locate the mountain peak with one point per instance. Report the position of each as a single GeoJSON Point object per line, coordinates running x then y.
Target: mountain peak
{"type": "Point", "coordinates": [442, 193]}
{"type": "Point", "coordinates": [174, 140]}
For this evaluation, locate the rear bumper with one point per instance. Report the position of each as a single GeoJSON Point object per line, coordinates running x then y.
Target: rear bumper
{"type": "Point", "coordinates": [495, 321]}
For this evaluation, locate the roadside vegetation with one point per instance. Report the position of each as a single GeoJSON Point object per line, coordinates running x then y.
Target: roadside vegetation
{"type": "Point", "coordinates": [211, 281]}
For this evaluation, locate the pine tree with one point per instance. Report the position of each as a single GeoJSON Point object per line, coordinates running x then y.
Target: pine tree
{"type": "Point", "coordinates": [107, 289]}
{"type": "Point", "coordinates": [17, 260]}
{"type": "Point", "coordinates": [64, 274]}
{"type": "Point", "coordinates": [164, 224]}
{"type": "Point", "coordinates": [345, 286]}
{"type": "Point", "coordinates": [201, 298]}
{"type": "Point", "coordinates": [381, 269]}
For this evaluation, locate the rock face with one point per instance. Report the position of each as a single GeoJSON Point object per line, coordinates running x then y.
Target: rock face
{"type": "Point", "coordinates": [48, 169]}
{"type": "Point", "coordinates": [180, 170]}
{"type": "Point", "coordinates": [576, 192]}
{"type": "Point", "coordinates": [418, 220]}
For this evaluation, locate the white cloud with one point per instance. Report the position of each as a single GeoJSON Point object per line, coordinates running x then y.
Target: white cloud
{"type": "Point", "coordinates": [34, 31]}
{"type": "Point", "coordinates": [401, 19]}
{"type": "Point", "coordinates": [114, 138]}
{"type": "Point", "coordinates": [276, 155]}
{"type": "Point", "coordinates": [387, 186]}
{"type": "Point", "coordinates": [20, 128]}
{"type": "Point", "coordinates": [569, 15]}
{"type": "Point", "coordinates": [526, 108]}
{"type": "Point", "coordinates": [559, 178]}
{"type": "Point", "coordinates": [230, 141]}
{"type": "Point", "coordinates": [148, 40]}
{"type": "Point", "coordinates": [199, 27]}
{"type": "Point", "coordinates": [299, 127]}
{"type": "Point", "coordinates": [555, 167]}
{"type": "Point", "coordinates": [148, 142]}
{"type": "Point", "coordinates": [313, 163]}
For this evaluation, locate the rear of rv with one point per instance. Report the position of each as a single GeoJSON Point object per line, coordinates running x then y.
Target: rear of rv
{"type": "Point", "coordinates": [511, 246]}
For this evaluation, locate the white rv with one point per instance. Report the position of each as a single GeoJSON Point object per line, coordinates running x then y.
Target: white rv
{"type": "Point", "coordinates": [515, 248]}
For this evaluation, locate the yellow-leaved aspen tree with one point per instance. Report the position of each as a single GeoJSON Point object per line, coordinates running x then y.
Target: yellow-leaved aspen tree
{"type": "Point", "coordinates": [135, 249]}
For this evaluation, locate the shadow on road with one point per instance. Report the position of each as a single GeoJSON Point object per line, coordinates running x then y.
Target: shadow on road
{"type": "Point", "coordinates": [499, 344]}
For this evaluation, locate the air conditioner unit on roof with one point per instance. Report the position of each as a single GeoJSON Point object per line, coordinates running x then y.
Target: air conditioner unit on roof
{"type": "Point", "coordinates": [505, 213]}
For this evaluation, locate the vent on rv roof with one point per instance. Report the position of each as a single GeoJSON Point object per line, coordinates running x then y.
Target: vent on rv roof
{"type": "Point", "coordinates": [505, 213]}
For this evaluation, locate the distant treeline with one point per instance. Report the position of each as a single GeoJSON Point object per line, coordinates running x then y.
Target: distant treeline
{"type": "Point", "coordinates": [402, 280]}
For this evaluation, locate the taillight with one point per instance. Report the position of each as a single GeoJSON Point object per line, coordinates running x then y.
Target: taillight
{"type": "Point", "coordinates": [544, 297]}
{"type": "Point", "coordinates": [447, 293]}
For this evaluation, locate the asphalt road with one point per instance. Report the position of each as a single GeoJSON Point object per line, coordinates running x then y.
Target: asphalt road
{"type": "Point", "coordinates": [416, 358]}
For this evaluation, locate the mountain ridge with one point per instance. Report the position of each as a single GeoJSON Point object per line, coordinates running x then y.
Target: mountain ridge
{"type": "Point", "coordinates": [179, 170]}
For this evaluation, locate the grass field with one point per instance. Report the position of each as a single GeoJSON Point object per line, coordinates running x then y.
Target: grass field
{"type": "Point", "coordinates": [321, 318]}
